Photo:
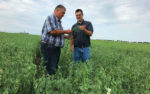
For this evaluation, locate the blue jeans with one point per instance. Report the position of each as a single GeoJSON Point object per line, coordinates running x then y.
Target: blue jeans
{"type": "Point", "coordinates": [51, 56]}
{"type": "Point", "coordinates": [81, 53]}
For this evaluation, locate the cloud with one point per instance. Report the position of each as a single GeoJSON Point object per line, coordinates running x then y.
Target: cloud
{"type": "Point", "coordinates": [23, 14]}
{"type": "Point", "coordinates": [29, 15]}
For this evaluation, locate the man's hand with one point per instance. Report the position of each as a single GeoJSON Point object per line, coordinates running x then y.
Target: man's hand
{"type": "Point", "coordinates": [85, 30]}
{"type": "Point", "coordinates": [82, 27]}
{"type": "Point", "coordinates": [67, 36]}
{"type": "Point", "coordinates": [68, 31]}
{"type": "Point", "coordinates": [72, 48]}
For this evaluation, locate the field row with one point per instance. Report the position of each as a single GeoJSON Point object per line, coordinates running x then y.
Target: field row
{"type": "Point", "coordinates": [120, 66]}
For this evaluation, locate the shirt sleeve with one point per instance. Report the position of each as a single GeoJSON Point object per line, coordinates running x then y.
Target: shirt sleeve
{"type": "Point", "coordinates": [72, 30]}
{"type": "Point", "coordinates": [90, 27]}
{"type": "Point", "coordinates": [50, 24]}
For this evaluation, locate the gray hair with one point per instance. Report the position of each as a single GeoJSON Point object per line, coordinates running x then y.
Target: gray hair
{"type": "Point", "coordinates": [58, 7]}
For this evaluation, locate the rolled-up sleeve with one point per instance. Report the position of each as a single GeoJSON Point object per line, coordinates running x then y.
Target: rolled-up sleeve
{"type": "Point", "coordinates": [90, 27]}
{"type": "Point", "coordinates": [50, 25]}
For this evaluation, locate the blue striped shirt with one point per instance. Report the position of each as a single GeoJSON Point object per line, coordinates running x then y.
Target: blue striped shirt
{"type": "Point", "coordinates": [52, 23]}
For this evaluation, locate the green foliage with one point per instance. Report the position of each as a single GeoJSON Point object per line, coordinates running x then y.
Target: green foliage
{"type": "Point", "coordinates": [121, 66]}
{"type": "Point", "coordinates": [17, 71]}
{"type": "Point", "coordinates": [76, 29]}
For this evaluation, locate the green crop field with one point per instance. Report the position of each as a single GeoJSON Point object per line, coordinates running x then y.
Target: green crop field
{"type": "Point", "coordinates": [122, 67]}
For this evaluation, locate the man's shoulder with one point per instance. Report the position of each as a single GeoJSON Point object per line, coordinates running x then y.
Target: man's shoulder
{"type": "Point", "coordinates": [48, 17]}
{"type": "Point", "coordinates": [87, 22]}
{"type": "Point", "coordinates": [51, 16]}
{"type": "Point", "coordinates": [74, 25]}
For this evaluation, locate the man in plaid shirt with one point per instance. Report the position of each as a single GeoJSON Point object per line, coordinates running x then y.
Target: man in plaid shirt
{"type": "Point", "coordinates": [52, 39]}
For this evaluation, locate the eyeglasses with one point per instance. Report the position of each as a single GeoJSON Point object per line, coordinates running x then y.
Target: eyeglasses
{"type": "Point", "coordinates": [79, 15]}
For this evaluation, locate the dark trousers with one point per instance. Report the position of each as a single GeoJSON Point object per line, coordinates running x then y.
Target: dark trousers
{"type": "Point", "coordinates": [51, 56]}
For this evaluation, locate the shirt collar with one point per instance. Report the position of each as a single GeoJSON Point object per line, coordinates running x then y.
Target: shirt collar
{"type": "Point", "coordinates": [81, 23]}
{"type": "Point", "coordinates": [57, 18]}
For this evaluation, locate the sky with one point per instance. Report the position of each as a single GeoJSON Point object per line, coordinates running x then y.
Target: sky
{"type": "Point", "coordinates": [126, 20]}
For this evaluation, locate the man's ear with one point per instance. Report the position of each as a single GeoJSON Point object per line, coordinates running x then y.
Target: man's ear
{"type": "Point", "coordinates": [56, 10]}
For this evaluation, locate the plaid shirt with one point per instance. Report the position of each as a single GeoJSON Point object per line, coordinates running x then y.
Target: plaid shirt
{"type": "Point", "coordinates": [52, 23]}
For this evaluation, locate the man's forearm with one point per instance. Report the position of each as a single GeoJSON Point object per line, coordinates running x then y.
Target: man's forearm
{"type": "Point", "coordinates": [57, 32]}
{"type": "Point", "coordinates": [72, 44]}
{"type": "Point", "coordinates": [88, 32]}
{"type": "Point", "coordinates": [71, 41]}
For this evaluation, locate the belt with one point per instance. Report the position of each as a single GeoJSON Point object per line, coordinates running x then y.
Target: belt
{"type": "Point", "coordinates": [43, 41]}
{"type": "Point", "coordinates": [81, 46]}
{"type": "Point", "coordinates": [52, 45]}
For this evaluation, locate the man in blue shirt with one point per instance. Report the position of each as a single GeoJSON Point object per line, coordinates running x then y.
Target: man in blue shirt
{"type": "Point", "coordinates": [52, 39]}
{"type": "Point", "coordinates": [80, 40]}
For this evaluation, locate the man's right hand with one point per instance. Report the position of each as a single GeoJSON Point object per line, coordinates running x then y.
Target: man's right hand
{"type": "Point", "coordinates": [68, 31]}
{"type": "Point", "coordinates": [72, 48]}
